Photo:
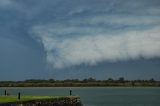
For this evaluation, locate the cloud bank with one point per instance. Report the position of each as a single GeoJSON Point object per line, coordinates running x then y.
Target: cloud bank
{"type": "Point", "coordinates": [89, 35]}
{"type": "Point", "coordinates": [92, 49]}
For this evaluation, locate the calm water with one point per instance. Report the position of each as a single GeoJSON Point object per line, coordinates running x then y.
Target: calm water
{"type": "Point", "coordinates": [99, 96]}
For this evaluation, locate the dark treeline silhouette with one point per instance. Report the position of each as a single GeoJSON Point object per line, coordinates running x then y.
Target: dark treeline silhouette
{"type": "Point", "coordinates": [88, 82]}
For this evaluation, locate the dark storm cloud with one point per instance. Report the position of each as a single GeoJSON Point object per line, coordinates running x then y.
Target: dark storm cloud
{"type": "Point", "coordinates": [75, 32]}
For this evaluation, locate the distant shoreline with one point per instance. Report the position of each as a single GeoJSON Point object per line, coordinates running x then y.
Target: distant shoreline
{"type": "Point", "coordinates": [80, 83]}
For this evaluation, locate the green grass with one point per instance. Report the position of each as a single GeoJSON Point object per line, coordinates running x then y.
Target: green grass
{"type": "Point", "coordinates": [6, 99]}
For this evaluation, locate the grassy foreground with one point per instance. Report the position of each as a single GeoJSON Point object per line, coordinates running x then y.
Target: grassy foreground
{"type": "Point", "coordinates": [6, 99]}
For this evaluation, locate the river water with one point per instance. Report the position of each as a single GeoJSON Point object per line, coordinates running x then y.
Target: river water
{"type": "Point", "coordinates": [98, 96]}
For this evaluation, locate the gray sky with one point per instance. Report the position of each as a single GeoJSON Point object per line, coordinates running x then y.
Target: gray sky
{"type": "Point", "coordinates": [65, 39]}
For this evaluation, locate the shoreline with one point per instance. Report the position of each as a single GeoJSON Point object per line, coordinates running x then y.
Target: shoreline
{"type": "Point", "coordinates": [88, 87]}
{"type": "Point", "coordinates": [62, 101]}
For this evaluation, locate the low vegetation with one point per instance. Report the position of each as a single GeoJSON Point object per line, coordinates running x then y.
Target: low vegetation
{"type": "Point", "coordinates": [5, 99]}
{"type": "Point", "coordinates": [90, 82]}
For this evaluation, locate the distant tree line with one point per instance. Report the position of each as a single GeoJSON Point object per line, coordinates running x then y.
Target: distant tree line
{"type": "Point", "coordinates": [88, 82]}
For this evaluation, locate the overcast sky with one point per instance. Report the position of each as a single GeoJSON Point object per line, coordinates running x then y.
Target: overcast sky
{"type": "Point", "coordinates": [68, 39]}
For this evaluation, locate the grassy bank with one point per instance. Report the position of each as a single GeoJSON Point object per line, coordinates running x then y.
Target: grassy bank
{"type": "Point", "coordinates": [6, 99]}
{"type": "Point", "coordinates": [40, 101]}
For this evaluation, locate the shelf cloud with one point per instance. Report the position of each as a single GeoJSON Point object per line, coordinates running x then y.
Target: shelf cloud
{"type": "Point", "coordinates": [64, 51]}
{"type": "Point", "coordinates": [88, 35]}
{"type": "Point", "coordinates": [68, 39]}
